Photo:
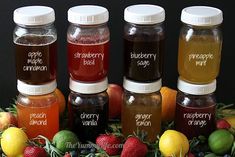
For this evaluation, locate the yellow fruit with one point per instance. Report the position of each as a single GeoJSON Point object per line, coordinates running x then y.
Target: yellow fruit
{"type": "Point", "coordinates": [230, 120]}
{"type": "Point", "coordinates": [168, 103]}
{"type": "Point", "coordinates": [61, 99]}
{"type": "Point", "coordinates": [173, 143]}
{"type": "Point", "coordinates": [13, 142]}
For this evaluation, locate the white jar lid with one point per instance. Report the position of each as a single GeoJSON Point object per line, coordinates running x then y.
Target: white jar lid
{"type": "Point", "coordinates": [202, 16]}
{"type": "Point", "coordinates": [145, 14]}
{"type": "Point", "coordinates": [196, 89]}
{"type": "Point", "coordinates": [88, 15]}
{"type": "Point", "coordinates": [138, 87]}
{"type": "Point", "coordinates": [88, 88]}
{"type": "Point", "coordinates": [34, 15]}
{"type": "Point", "coordinates": [36, 89]}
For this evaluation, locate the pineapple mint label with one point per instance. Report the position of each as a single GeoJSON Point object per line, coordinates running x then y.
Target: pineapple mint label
{"type": "Point", "coordinates": [200, 59]}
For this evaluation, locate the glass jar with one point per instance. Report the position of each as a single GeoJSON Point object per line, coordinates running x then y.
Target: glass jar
{"type": "Point", "coordinates": [144, 39]}
{"type": "Point", "coordinates": [200, 44]}
{"type": "Point", "coordinates": [195, 108]}
{"type": "Point", "coordinates": [88, 43]}
{"type": "Point", "coordinates": [141, 109]}
{"type": "Point", "coordinates": [88, 109]}
{"type": "Point", "coordinates": [35, 44]}
{"type": "Point", "coordinates": [38, 109]}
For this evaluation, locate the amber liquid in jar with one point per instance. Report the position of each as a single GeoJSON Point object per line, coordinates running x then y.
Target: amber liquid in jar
{"type": "Point", "coordinates": [199, 58]}
{"type": "Point", "coordinates": [36, 59]}
{"type": "Point", "coordinates": [143, 114]}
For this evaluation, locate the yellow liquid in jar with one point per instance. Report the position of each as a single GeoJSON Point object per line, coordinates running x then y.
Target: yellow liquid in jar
{"type": "Point", "coordinates": [199, 58]}
{"type": "Point", "coordinates": [143, 118]}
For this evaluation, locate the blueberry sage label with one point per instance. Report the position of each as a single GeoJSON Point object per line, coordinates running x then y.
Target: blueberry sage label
{"type": "Point", "coordinates": [143, 60]}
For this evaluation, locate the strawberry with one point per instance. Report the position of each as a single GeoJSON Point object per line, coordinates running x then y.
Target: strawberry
{"type": "Point", "coordinates": [34, 151]}
{"type": "Point", "coordinates": [222, 124]}
{"type": "Point", "coordinates": [110, 143]}
{"type": "Point", "coordinates": [134, 147]}
{"type": "Point", "coordinates": [190, 154]}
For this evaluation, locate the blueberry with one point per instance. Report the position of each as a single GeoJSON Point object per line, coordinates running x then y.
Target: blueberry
{"type": "Point", "coordinates": [74, 154]}
{"type": "Point", "coordinates": [92, 150]}
{"type": "Point", "coordinates": [84, 151]}
{"type": "Point", "coordinates": [227, 155]}
{"type": "Point", "coordinates": [200, 154]}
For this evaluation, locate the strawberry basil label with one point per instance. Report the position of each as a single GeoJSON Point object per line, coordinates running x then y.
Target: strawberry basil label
{"type": "Point", "coordinates": [89, 58]}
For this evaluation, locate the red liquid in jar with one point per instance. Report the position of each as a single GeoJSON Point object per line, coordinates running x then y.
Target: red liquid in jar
{"type": "Point", "coordinates": [36, 59]}
{"type": "Point", "coordinates": [88, 62]}
{"type": "Point", "coordinates": [195, 121]}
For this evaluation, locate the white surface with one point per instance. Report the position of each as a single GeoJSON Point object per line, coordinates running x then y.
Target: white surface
{"type": "Point", "coordinates": [88, 88]}
{"type": "Point", "coordinates": [196, 89]}
{"type": "Point", "coordinates": [88, 15]}
{"type": "Point", "coordinates": [202, 16]}
{"type": "Point", "coordinates": [36, 89]}
{"type": "Point", "coordinates": [138, 87]}
{"type": "Point", "coordinates": [144, 14]}
{"type": "Point", "coordinates": [34, 15]}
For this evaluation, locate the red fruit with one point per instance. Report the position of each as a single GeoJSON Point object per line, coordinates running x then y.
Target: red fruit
{"type": "Point", "coordinates": [7, 119]}
{"type": "Point", "coordinates": [133, 147]}
{"type": "Point", "coordinates": [34, 151]}
{"type": "Point", "coordinates": [110, 143]}
{"type": "Point", "coordinates": [67, 155]}
{"type": "Point", "coordinates": [190, 154]}
{"type": "Point", "coordinates": [222, 124]}
{"type": "Point", "coordinates": [115, 93]}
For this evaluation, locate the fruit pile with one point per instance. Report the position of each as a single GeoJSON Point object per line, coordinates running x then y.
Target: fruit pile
{"type": "Point", "coordinates": [221, 142]}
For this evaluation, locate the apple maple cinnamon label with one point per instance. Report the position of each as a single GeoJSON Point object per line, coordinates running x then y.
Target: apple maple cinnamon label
{"type": "Point", "coordinates": [35, 44]}
{"type": "Point", "coordinates": [36, 59]}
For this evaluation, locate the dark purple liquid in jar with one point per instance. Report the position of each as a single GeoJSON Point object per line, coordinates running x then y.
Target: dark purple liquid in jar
{"type": "Point", "coordinates": [36, 59]}
{"type": "Point", "coordinates": [143, 52]}
{"type": "Point", "coordinates": [194, 121]}
{"type": "Point", "coordinates": [88, 115]}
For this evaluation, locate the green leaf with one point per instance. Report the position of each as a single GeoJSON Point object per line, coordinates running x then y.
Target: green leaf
{"type": "Point", "coordinates": [233, 150]}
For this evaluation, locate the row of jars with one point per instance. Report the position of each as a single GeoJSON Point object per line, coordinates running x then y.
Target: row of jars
{"type": "Point", "coordinates": [88, 37]}
{"type": "Point", "coordinates": [88, 49]}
